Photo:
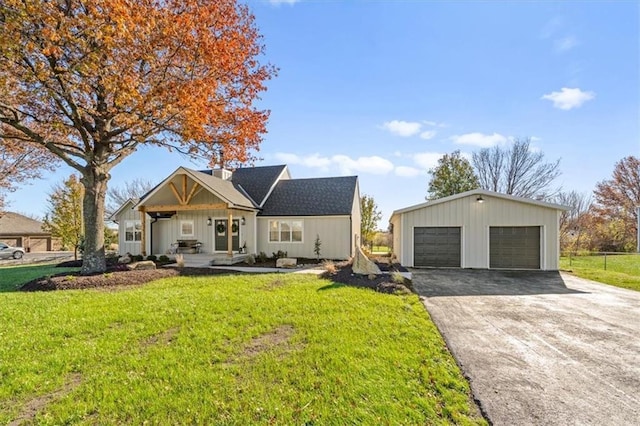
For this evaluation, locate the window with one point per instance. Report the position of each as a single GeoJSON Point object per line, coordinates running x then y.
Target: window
{"type": "Point", "coordinates": [132, 231]}
{"type": "Point", "coordinates": [285, 231]}
{"type": "Point", "coordinates": [186, 228]}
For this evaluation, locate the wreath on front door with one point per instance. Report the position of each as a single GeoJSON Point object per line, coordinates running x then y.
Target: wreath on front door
{"type": "Point", "coordinates": [220, 228]}
{"type": "Point", "coordinates": [234, 228]}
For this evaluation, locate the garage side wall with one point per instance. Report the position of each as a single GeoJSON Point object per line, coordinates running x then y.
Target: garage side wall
{"type": "Point", "coordinates": [475, 219]}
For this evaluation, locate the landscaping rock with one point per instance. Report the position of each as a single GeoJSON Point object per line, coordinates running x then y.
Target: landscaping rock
{"type": "Point", "coordinates": [362, 264]}
{"type": "Point", "coordinates": [286, 262]}
{"type": "Point", "coordinates": [125, 259]}
{"type": "Point", "coordinates": [141, 266]}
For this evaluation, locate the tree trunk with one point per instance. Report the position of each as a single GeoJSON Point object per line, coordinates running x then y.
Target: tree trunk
{"type": "Point", "coordinates": [95, 189]}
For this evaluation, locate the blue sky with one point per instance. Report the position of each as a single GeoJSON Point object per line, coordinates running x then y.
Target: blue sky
{"type": "Point", "coordinates": [383, 89]}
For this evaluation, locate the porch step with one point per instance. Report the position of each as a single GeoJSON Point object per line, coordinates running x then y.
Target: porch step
{"type": "Point", "coordinates": [226, 260]}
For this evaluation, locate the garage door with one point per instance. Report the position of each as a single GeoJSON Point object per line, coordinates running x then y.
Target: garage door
{"type": "Point", "coordinates": [436, 246]}
{"type": "Point", "coordinates": [515, 247]}
{"type": "Point", "coordinates": [38, 244]}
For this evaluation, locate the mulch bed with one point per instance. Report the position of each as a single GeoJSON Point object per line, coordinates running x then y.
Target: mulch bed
{"type": "Point", "coordinates": [118, 276]}
{"type": "Point", "coordinates": [113, 278]}
{"type": "Point", "coordinates": [381, 283]}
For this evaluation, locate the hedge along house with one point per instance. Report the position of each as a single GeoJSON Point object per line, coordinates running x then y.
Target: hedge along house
{"type": "Point", "coordinates": [249, 210]}
{"type": "Point", "coordinates": [478, 229]}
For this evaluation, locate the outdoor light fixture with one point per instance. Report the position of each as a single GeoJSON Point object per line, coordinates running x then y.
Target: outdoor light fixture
{"type": "Point", "coordinates": [209, 222]}
{"type": "Point", "coordinates": [480, 199]}
{"type": "Point", "coordinates": [242, 221]}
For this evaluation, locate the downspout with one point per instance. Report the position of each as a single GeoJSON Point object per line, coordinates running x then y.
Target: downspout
{"type": "Point", "coordinates": [351, 247]}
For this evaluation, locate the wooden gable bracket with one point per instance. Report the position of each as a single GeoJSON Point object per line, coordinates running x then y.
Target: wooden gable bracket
{"type": "Point", "coordinates": [184, 198]}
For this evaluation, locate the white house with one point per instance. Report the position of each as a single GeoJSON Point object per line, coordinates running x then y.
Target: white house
{"type": "Point", "coordinates": [248, 210]}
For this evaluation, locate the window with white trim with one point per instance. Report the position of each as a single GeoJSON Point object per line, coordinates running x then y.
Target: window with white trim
{"type": "Point", "coordinates": [285, 231]}
{"type": "Point", "coordinates": [132, 231]}
{"type": "Point", "coordinates": [186, 228]}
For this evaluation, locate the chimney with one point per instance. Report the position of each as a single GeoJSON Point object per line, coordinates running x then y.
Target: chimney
{"type": "Point", "coordinates": [223, 174]}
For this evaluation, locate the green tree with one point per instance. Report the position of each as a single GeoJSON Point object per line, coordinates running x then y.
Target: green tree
{"type": "Point", "coordinates": [370, 217]}
{"type": "Point", "coordinates": [452, 175]}
{"type": "Point", "coordinates": [64, 218]}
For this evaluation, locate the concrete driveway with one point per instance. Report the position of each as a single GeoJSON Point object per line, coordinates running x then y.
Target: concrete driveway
{"type": "Point", "coordinates": [540, 347]}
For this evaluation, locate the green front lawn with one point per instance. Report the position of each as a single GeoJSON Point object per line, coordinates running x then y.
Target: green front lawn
{"type": "Point", "coordinates": [242, 349]}
{"type": "Point", "coordinates": [622, 270]}
{"type": "Point", "coordinates": [12, 277]}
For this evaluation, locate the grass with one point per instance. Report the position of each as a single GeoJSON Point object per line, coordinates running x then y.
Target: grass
{"type": "Point", "coordinates": [622, 270]}
{"type": "Point", "coordinates": [380, 249]}
{"type": "Point", "coordinates": [241, 349]}
{"type": "Point", "coordinates": [12, 277]}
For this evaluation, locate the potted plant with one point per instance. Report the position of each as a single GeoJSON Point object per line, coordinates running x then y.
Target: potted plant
{"type": "Point", "coordinates": [243, 249]}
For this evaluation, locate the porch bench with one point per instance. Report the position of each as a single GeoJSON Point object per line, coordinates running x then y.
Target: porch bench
{"type": "Point", "coordinates": [188, 246]}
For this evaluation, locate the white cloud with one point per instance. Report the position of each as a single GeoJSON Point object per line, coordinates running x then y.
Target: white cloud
{"type": "Point", "coordinates": [313, 160]}
{"type": "Point", "coordinates": [374, 164]}
{"type": "Point", "coordinates": [567, 99]}
{"type": "Point", "coordinates": [479, 139]}
{"type": "Point", "coordinates": [279, 2]}
{"type": "Point", "coordinates": [427, 160]}
{"type": "Point", "coordinates": [434, 124]}
{"type": "Point", "coordinates": [428, 134]}
{"type": "Point", "coordinates": [565, 43]}
{"type": "Point", "coordinates": [551, 27]}
{"type": "Point", "coordinates": [402, 128]}
{"type": "Point", "coordinates": [346, 165]}
{"type": "Point", "coordinates": [405, 171]}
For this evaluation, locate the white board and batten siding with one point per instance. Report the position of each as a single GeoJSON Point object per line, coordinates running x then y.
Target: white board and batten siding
{"type": "Point", "coordinates": [164, 232]}
{"type": "Point", "coordinates": [128, 213]}
{"type": "Point", "coordinates": [475, 220]}
{"type": "Point", "coordinates": [167, 231]}
{"type": "Point", "coordinates": [334, 233]}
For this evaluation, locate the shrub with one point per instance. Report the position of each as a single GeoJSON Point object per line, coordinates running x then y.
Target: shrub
{"type": "Point", "coordinates": [164, 259]}
{"type": "Point", "coordinates": [251, 259]}
{"type": "Point", "coordinates": [137, 258]}
{"type": "Point", "coordinates": [180, 260]}
{"type": "Point", "coordinates": [329, 266]}
{"type": "Point", "coordinates": [397, 277]}
{"type": "Point", "coordinates": [279, 254]}
{"type": "Point", "coordinates": [152, 257]}
{"type": "Point", "coordinates": [316, 247]}
{"type": "Point", "coordinates": [262, 257]}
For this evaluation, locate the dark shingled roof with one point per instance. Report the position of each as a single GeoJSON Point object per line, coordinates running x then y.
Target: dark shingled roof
{"type": "Point", "coordinates": [312, 197]}
{"type": "Point", "coordinates": [256, 181]}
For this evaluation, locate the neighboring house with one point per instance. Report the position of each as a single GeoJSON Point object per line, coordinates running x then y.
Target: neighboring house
{"type": "Point", "coordinates": [478, 229]}
{"type": "Point", "coordinates": [17, 230]}
{"type": "Point", "coordinates": [268, 211]}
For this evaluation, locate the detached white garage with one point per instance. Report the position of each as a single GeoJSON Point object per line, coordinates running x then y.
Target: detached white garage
{"type": "Point", "coordinates": [478, 229]}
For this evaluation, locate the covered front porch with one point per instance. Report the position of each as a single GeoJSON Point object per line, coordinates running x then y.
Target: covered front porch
{"type": "Point", "coordinates": [196, 215]}
{"type": "Point", "coordinates": [204, 260]}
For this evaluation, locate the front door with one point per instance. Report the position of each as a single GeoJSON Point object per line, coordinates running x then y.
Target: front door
{"type": "Point", "coordinates": [220, 232]}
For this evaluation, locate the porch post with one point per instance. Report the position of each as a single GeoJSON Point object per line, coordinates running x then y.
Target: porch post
{"type": "Point", "coordinates": [143, 232]}
{"type": "Point", "coordinates": [229, 234]}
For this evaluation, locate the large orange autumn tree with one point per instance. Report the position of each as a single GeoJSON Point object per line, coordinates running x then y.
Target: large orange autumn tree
{"type": "Point", "coordinates": [91, 81]}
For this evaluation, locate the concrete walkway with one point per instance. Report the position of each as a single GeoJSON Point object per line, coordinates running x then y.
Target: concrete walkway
{"type": "Point", "coordinates": [540, 348]}
{"type": "Point", "coordinates": [196, 262]}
